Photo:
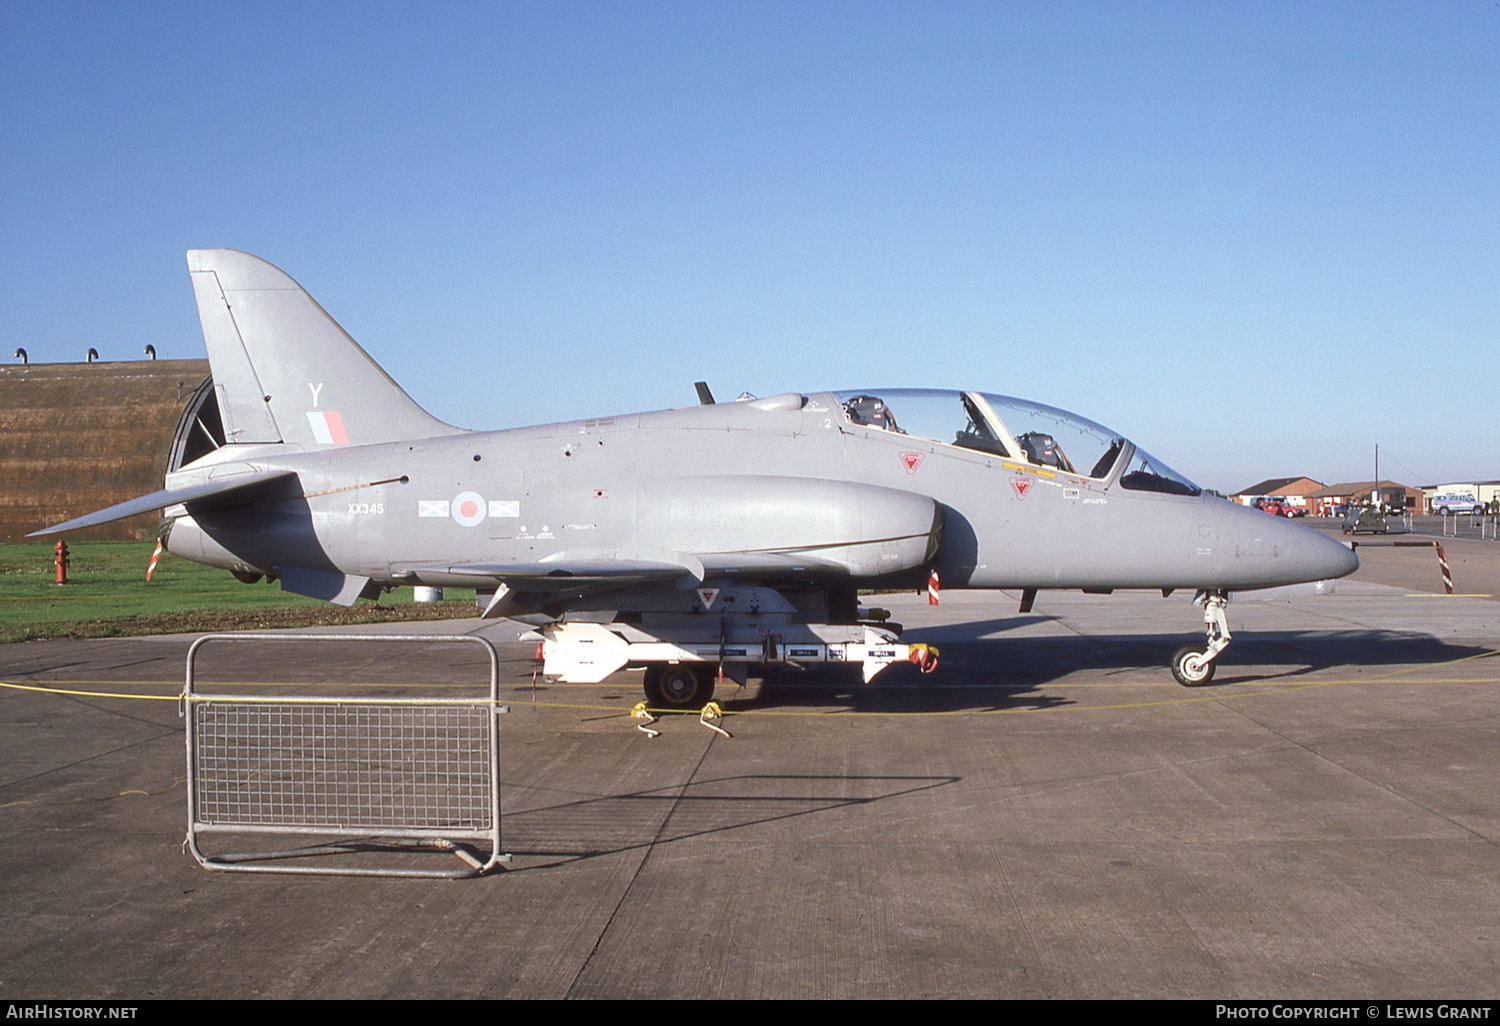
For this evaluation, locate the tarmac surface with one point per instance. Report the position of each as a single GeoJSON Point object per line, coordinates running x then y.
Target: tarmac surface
{"type": "Point", "coordinates": [1049, 815]}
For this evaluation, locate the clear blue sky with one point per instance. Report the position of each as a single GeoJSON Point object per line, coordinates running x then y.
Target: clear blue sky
{"type": "Point", "coordinates": [1258, 238]}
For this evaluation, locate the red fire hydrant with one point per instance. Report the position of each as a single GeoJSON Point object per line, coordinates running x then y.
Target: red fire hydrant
{"type": "Point", "coordinates": [60, 561]}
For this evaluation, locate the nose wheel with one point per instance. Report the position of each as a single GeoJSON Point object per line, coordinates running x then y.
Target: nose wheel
{"type": "Point", "coordinates": [1190, 666]}
{"type": "Point", "coordinates": [1193, 665]}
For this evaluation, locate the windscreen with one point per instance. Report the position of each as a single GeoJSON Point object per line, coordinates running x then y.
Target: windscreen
{"type": "Point", "coordinates": [1146, 473]}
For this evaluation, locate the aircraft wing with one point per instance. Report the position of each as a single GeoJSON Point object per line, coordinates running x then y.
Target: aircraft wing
{"type": "Point", "coordinates": [567, 573]}
{"type": "Point", "coordinates": [570, 571]}
{"type": "Point", "coordinates": [218, 492]}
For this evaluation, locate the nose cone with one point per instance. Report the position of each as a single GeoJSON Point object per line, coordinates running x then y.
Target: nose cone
{"type": "Point", "coordinates": [1321, 557]}
{"type": "Point", "coordinates": [1263, 551]}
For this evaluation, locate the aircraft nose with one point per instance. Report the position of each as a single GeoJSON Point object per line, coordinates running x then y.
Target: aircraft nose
{"type": "Point", "coordinates": [1325, 557]}
{"type": "Point", "coordinates": [1269, 551]}
{"type": "Point", "coordinates": [1307, 554]}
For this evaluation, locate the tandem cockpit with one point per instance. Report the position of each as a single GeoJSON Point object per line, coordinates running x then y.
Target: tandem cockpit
{"type": "Point", "coordinates": [1014, 429]}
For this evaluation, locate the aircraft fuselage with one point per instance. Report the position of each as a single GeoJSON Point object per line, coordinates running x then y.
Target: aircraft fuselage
{"type": "Point", "coordinates": [686, 480]}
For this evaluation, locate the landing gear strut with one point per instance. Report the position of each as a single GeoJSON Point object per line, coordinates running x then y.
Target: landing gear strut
{"type": "Point", "coordinates": [1193, 665]}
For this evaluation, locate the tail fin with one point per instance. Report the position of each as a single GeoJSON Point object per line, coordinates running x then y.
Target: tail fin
{"type": "Point", "coordinates": [284, 371]}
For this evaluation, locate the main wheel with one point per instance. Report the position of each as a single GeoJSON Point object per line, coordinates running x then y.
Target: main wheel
{"type": "Point", "coordinates": [679, 685]}
{"type": "Point", "coordinates": [1190, 668]}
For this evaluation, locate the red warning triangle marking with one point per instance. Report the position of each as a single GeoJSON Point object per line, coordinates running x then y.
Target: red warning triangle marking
{"type": "Point", "coordinates": [707, 596]}
{"type": "Point", "coordinates": [911, 461]}
{"type": "Point", "coordinates": [1021, 485]}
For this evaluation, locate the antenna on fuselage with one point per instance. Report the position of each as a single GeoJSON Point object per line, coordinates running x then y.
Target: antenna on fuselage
{"type": "Point", "coordinates": [705, 397]}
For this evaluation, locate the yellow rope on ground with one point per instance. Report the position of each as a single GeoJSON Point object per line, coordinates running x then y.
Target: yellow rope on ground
{"type": "Point", "coordinates": [1199, 695]}
{"type": "Point", "coordinates": [85, 694]}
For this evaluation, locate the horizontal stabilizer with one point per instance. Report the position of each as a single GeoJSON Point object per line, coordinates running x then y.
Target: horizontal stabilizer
{"type": "Point", "coordinates": [222, 488]}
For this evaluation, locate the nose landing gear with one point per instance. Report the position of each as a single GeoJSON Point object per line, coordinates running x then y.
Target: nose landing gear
{"type": "Point", "coordinates": [1193, 665]}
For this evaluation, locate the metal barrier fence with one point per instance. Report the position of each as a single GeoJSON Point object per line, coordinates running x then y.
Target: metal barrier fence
{"type": "Point", "coordinates": [404, 774]}
{"type": "Point", "coordinates": [1486, 524]}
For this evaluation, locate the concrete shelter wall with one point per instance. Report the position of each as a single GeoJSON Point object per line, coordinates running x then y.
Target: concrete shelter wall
{"type": "Point", "coordinates": [76, 437]}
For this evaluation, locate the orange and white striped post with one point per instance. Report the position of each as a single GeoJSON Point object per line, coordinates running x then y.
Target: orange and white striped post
{"type": "Point", "coordinates": [1443, 566]}
{"type": "Point", "coordinates": [155, 557]}
{"type": "Point", "coordinates": [934, 591]}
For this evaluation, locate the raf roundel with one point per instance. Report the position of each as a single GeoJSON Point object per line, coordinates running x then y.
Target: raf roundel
{"type": "Point", "coordinates": [468, 508]}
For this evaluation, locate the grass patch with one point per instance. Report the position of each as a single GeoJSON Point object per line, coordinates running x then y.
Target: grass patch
{"type": "Point", "coordinates": [108, 596]}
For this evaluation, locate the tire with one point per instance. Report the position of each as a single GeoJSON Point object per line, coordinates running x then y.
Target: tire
{"type": "Point", "coordinates": [1189, 669]}
{"type": "Point", "coordinates": [679, 686]}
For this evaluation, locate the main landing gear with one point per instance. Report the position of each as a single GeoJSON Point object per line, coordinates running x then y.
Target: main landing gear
{"type": "Point", "coordinates": [680, 685]}
{"type": "Point", "coordinates": [1193, 665]}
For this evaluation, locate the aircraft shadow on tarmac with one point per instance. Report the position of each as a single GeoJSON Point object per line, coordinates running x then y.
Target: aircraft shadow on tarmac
{"type": "Point", "coordinates": [1002, 673]}
{"type": "Point", "coordinates": [609, 824]}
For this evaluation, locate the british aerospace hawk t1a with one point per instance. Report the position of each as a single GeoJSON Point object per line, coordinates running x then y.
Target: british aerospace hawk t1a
{"type": "Point", "coordinates": [694, 542]}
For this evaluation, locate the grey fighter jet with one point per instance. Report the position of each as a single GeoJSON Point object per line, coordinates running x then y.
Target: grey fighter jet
{"type": "Point", "coordinates": [698, 542]}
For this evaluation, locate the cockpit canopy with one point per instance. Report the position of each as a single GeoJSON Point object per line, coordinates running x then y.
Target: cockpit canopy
{"type": "Point", "coordinates": [1015, 429]}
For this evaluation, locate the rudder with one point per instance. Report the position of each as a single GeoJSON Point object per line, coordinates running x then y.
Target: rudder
{"type": "Point", "coordinates": [284, 371]}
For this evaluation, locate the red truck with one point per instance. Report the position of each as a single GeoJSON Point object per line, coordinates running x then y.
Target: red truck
{"type": "Point", "coordinates": [1277, 508]}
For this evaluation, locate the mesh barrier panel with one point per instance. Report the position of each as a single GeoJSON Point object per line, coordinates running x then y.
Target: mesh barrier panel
{"type": "Point", "coordinates": [408, 774]}
{"type": "Point", "coordinates": [343, 766]}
